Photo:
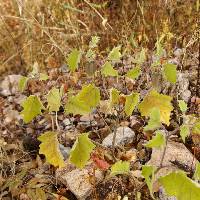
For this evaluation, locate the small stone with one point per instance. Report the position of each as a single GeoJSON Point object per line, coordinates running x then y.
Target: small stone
{"type": "Point", "coordinates": [79, 181]}
{"type": "Point", "coordinates": [9, 86]}
{"type": "Point", "coordinates": [65, 151]}
{"type": "Point", "coordinates": [124, 135]}
{"type": "Point", "coordinates": [29, 131]}
{"type": "Point", "coordinates": [66, 122]}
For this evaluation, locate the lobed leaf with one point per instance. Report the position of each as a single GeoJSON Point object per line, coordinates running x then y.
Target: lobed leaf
{"type": "Point", "coordinates": [160, 101]}
{"type": "Point", "coordinates": [32, 107]}
{"type": "Point", "coordinates": [54, 100]}
{"type": "Point", "coordinates": [108, 70]}
{"type": "Point", "coordinates": [157, 141]}
{"type": "Point", "coordinates": [154, 121]}
{"type": "Point", "coordinates": [184, 132]}
{"type": "Point", "coordinates": [170, 72]}
{"type": "Point", "coordinates": [120, 167]}
{"type": "Point", "coordinates": [50, 148]}
{"type": "Point", "coordinates": [73, 59]}
{"type": "Point", "coordinates": [131, 101]}
{"type": "Point", "coordinates": [177, 184]}
{"type": "Point", "coordinates": [148, 173]}
{"type": "Point", "coordinates": [134, 73]}
{"type": "Point", "coordinates": [81, 150]}
{"type": "Point", "coordinates": [115, 54]}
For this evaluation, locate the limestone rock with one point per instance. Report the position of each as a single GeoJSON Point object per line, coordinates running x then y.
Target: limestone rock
{"type": "Point", "coordinates": [124, 135]}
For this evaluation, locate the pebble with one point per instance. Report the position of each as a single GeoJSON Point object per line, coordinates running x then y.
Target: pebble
{"type": "Point", "coordinates": [124, 135]}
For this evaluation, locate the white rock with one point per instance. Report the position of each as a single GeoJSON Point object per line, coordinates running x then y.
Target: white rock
{"type": "Point", "coordinates": [67, 122]}
{"type": "Point", "coordinates": [79, 181]}
{"type": "Point", "coordinates": [174, 152]}
{"type": "Point", "coordinates": [124, 135]}
{"type": "Point", "coordinates": [9, 85]}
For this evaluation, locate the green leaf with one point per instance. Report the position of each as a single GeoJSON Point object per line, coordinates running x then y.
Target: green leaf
{"type": "Point", "coordinates": [131, 101]}
{"type": "Point", "coordinates": [54, 100]}
{"type": "Point", "coordinates": [196, 128]}
{"type": "Point", "coordinates": [94, 41]}
{"type": "Point", "coordinates": [108, 70]}
{"type": "Point", "coordinates": [32, 107]}
{"type": "Point", "coordinates": [75, 106]}
{"type": "Point", "coordinates": [160, 101]}
{"type": "Point", "coordinates": [182, 106]}
{"type": "Point", "coordinates": [83, 103]}
{"type": "Point", "coordinates": [134, 73]}
{"type": "Point", "coordinates": [50, 148]}
{"type": "Point", "coordinates": [197, 171]}
{"type": "Point", "coordinates": [157, 141]}
{"type": "Point", "coordinates": [90, 95]}
{"type": "Point", "coordinates": [184, 132]}
{"type": "Point", "coordinates": [154, 121]}
{"type": "Point", "coordinates": [140, 57]}
{"type": "Point", "coordinates": [177, 184]}
{"type": "Point", "coordinates": [22, 83]}
{"type": "Point", "coordinates": [115, 54]}
{"type": "Point", "coordinates": [170, 72]}
{"type": "Point", "coordinates": [73, 59]}
{"type": "Point", "coordinates": [43, 77]}
{"type": "Point", "coordinates": [148, 173]}
{"type": "Point", "coordinates": [120, 167]}
{"type": "Point", "coordinates": [81, 151]}
{"type": "Point", "coordinates": [114, 96]}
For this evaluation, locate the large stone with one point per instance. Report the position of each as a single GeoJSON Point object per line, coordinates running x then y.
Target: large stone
{"type": "Point", "coordinates": [175, 152]}
{"type": "Point", "coordinates": [79, 181]}
{"type": "Point", "coordinates": [124, 135]}
{"type": "Point", "coordinates": [9, 86]}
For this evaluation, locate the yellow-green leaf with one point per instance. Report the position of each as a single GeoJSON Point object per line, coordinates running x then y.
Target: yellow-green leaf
{"type": "Point", "coordinates": [170, 72]}
{"type": "Point", "coordinates": [177, 184]}
{"type": "Point", "coordinates": [140, 57]}
{"type": "Point", "coordinates": [131, 101]}
{"type": "Point", "coordinates": [75, 106]}
{"type": "Point", "coordinates": [197, 171]}
{"type": "Point", "coordinates": [83, 103]}
{"type": "Point", "coordinates": [120, 167]}
{"type": "Point", "coordinates": [32, 107]}
{"type": "Point", "coordinates": [154, 121]}
{"type": "Point", "coordinates": [182, 106]}
{"type": "Point", "coordinates": [157, 141]}
{"type": "Point", "coordinates": [108, 70]}
{"type": "Point", "coordinates": [114, 96]}
{"type": "Point", "coordinates": [50, 148]}
{"type": "Point", "coordinates": [184, 132]}
{"type": "Point", "coordinates": [73, 59]}
{"type": "Point", "coordinates": [54, 100]}
{"type": "Point", "coordinates": [81, 150]}
{"type": "Point", "coordinates": [196, 127]}
{"type": "Point", "coordinates": [90, 95]}
{"type": "Point", "coordinates": [43, 77]}
{"type": "Point", "coordinates": [134, 73]}
{"type": "Point", "coordinates": [148, 173]}
{"type": "Point", "coordinates": [160, 101]}
{"type": "Point", "coordinates": [115, 54]}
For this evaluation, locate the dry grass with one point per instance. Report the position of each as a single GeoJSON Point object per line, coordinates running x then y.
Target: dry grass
{"type": "Point", "coordinates": [45, 31]}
